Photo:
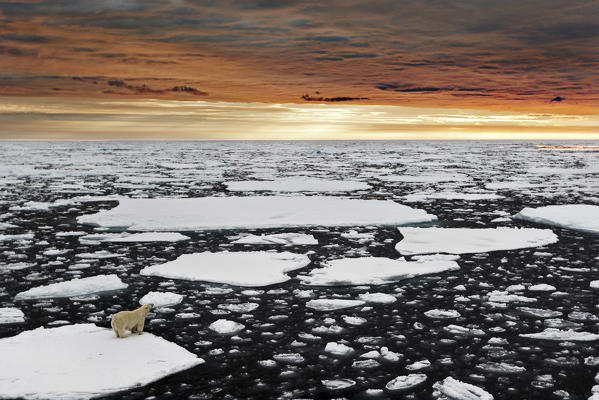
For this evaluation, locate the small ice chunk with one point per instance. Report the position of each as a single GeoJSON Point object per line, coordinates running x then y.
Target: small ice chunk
{"type": "Point", "coordinates": [161, 299]}
{"type": "Point", "coordinates": [541, 287]}
{"type": "Point", "coordinates": [453, 389]}
{"type": "Point", "coordinates": [333, 304]}
{"type": "Point", "coordinates": [405, 383]}
{"type": "Point", "coordinates": [11, 315]}
{"type": "Point", "coordinates": [418, 365]}
{"type": "Point", "coordinates": [289, 358]}
{"type": "Point", "coordinates": [382, 298]}
{"type": "Point", "coordinates": [356, 321]}
{"type": "Point", "coordinates": [239, 308]}
{"type": "Point", "coordinates": [338, 349]}
{"type": "Point", "coordinates": [338, 384]}
{"type": "Point", "coordinates": [226, 327]}
{"type": "Point", "coordinates": [442, 314]}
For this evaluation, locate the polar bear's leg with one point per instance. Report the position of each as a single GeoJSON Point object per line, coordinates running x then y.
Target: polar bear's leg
{"type": "Point", "coordinates": [140, 327]}
{"type": "Point", "coordinates": [134, 329]}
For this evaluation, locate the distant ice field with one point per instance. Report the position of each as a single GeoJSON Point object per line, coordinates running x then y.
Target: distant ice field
{"type": "Point", "coordinates": [366, 270]}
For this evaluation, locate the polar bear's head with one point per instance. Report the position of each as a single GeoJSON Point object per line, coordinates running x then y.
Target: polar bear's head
{"type": "Point", "coordinates": [147, 307]}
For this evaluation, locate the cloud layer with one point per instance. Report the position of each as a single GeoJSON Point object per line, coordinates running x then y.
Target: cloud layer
{"type": "Point", "coordinates": [480, 53]}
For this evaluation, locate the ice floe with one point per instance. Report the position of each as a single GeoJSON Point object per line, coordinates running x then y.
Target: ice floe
{"type": "Point", "coordinates": [562, 335]}
{"type": "Point", "coordinates": [147, 237]}
{"type": "Point", "coordinates": [206, 213]}
{"type": "Point", "coordinates": [226, 327]}
{"type": "Point", "coordinates": [84, 361]}
{"type": "Point", "coordinates": [298, 184]}
{"type": "Point", "coordinates": [381, 298]}
{"type": "Point", "coordinates": [405, 383]}
{"type": "Point", "coordinates": [289, 239]}
{"type": "Point", "coordinates": [11, 315]}
{"type": "Point", "coordinates": [338, 384]}
{"type": "Point", "coordinates": [427, 196]}
{"type": "Point", "coordinates": [258, 268]}
{"type": "Point", "coordinates": [468, 240]}
{"type": "Point", "coordinates": [74, 287]}
{"type": "Point", "coordinates": [372, 271]}
{"type": "Point", "coordinates": [161, 299]}
{"type": "Point", "coordinates": [333, 304]}
{"type": "Point", "coordinates": [579, 217]}
{"type": "Point", "coordinates": [338, 349]}
{"type": "Point", "coordinates": [453, 389]}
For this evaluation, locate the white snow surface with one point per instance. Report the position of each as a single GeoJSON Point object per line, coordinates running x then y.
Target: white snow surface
{"type": "Point", "coordinates": [161, 299]}
{"type": "Point", "coordinates": [468, 240]}
{"type": "Point", "coordinates": [256, 268]}
{"type": "Point", "coordinates": [578, 217]}
{"type": "Point", "coordinates": [373, 271]}
{"type": "Point", "coordinates": [208, 213]}
{"type": "Point", "coordinates": [297, 184]}
{"type": "Point", "coordinates": [11, 315]}
{"type": "Point", "coordinates": [453, 389]}
{"type": "Point", "coordinates": [292, 239]}
{"type": "Point", "coordinates": [84, 361]}
{"type": "Point", "coordinates": [74, 287]}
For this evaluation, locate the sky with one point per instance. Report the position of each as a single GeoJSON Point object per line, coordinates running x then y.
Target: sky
{"type": "Point", "coordinates": [339, 69]}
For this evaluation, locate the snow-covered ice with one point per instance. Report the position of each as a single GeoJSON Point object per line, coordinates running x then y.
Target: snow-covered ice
{"type": "Point", "coordinates": [405, 383]}
{"type": "Point", "coordinates": [257, 268]}
{"type": "Point", "coordinates": [562, 335]}
{"type": "Point", "coordinates": [333, 304]}
{"type": "Point", "coordinates": [578, 217]}
{"type": "Point", "coordinates": [74, 287]}
{"type": "Point", "coordinates": [338, 349]}
{"type": "Point", "coordinates": [381, 298]}
{"type": "Point", "coordinates": [453, 389]}
{"type": "Point", "coordinates": [299, 184]}
{"type": "Point", "coordinates": [147, 237]}
{"type": "Point", "coordinates": [207, 213]}
{"type": "Point", "coordinates": [226, 327]}
{"type": "Point", "coordinates": [292, 239]}
{"type": "Point", "coordinates": [468, 240]}
{"type": "Point", "coordinates": [11, 315]}
{"type": "Point", "coordinates": [84, 361]}
{"type": "Point", "coordinates": [373, 271]}
{"type": "Point", "coordinates": [161, 299]}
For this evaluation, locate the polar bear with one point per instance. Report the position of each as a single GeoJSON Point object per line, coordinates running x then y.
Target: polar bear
{"type": "Point", "coordinates": [130, 320]}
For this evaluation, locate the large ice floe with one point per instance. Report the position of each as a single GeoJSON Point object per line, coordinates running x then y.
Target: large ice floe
{"type": "Point", "coordinates": [373, 271]}
{"type": "Point", "coordinates": [208, 213]}
{"type": "Point", "coordinates": [298, 184]}
{"type": "Point", "coordinates": [468, 240]}
{"type": "Point", "coordinates": [161, 299]}
{"type": "Point", "coordinates": [84, 361]}
{"type": "Point", "coordinates": [578, 217]}
{"type": "Point", "coordinates": [254, 268]}
{"type": "Point", "coordinates": [74, 287]}
{"type": "Point", "coordinates": [453, 389]}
